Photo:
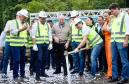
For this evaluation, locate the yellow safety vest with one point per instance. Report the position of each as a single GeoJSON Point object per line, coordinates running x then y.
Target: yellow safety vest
{"type": "Point", "coordinates": [30, 43]}
{"type": "Point", "coordinates": [94, 38]}
{"type": "Point", "coordinates": [118, 28]}
{"type": "Point", "coordinates": [7, 39]}
{"type": "Point", "coordinates": [20, 39]}
{"type": "Point", "coordinates": [42, 33]}
{"type": "Point", "coordinates": [76, 34]}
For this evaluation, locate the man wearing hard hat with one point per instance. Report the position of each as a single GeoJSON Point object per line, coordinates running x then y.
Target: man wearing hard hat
{"type": "Point", "coordinates": [78, 58]}
{"type": "Point", "coordinates": [42, 40]}
{"type": "Point", "coordinates": [18, 43]}
{"type": "Point", "coordinates": [94, 40]}
{"type": "Point", "coordinates": [5, 37]}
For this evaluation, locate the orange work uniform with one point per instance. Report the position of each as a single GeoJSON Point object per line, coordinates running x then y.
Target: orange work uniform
{"type": "Point", "coordinates": [107, 36]}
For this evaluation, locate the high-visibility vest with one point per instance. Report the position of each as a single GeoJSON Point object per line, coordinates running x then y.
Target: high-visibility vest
{"type": "Point", "coordinates": [29, 39]}
{"type": "Point", "coordinates": [20, 39]}
{"type": "Point", "coordinates": [7, 39]}
{"type": "Point", "coordinates": [118, 28]}
{"type": "Point", "coordinates": [42, 33]}
{"type": "Point", "coordinates": [94, 38]}
{"type": "Point", "coordinates": [30, 43]}
{"type": "Point", "coordinates": [76, 34]}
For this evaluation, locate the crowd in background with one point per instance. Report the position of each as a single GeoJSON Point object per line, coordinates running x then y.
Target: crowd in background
{"type": "Point", "coordinates": [48, 41]}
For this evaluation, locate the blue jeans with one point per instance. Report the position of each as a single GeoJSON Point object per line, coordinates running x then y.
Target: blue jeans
{"type": "Point", "coordinates": [19, 58]}
{"type": "Point", "coordinates": [7, 54]}
{"type": "Point", "coordinates": [1, 61]}
{"type": "Point", "coordinates": [94, 55]}
{"type": "Point", "coordinates": [117, 48]}
{"type": "Point", "coordinates": [78, 58]}
{"type": "Point", "coordinates": [41, 60]}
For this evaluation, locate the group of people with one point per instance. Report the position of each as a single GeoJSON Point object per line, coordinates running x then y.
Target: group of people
{"type": "Point", "coordinates": [106, 41]}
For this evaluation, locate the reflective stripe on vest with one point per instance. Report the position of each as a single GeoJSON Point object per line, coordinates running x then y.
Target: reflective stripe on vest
{"type": "Point", "coordinates": [7, 38]}
{"type": "Point", "coordinates": [30, 43]}
{"type": "Point", "coordinates": [94, 38]}
{"type": "Point", "coordinates": [118, 29]}
{"type": "Point", "coordinates": [76, 34]}
{"type": "Point", "coordinates": [42, 34]}
{"type": "Point", "coordinates": [20, 39]}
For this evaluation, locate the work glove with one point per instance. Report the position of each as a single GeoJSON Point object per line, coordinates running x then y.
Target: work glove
{"type": "Point", "coordinates": [35, 48]}
{"type": "Point", "coordinates": [50, 46]}
{"type": "Point", "coordinates": [76, 50]}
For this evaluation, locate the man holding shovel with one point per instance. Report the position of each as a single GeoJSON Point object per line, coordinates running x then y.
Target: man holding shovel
{"type": "Point", "coordinates": [95, 41]}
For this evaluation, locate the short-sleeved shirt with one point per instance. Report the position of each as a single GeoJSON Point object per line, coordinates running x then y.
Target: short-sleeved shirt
{"type": "Point", "coordinates": [85, 30]}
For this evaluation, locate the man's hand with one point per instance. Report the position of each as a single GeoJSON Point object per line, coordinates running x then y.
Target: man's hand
{"type": "Point", "coordinates": [25, 26]}
{"type": "Point", "coordinates": [56, 39]}
{"type": "Point", "coordinates": [50, 46]}
{"type": "Point", "coordinates": [125, 44]}
{"type": "Point", "coordinates": [35, 48]}
{"type": "Point", "coordinates": [76, 50]}
{"type": "Point", "coordinates": [66, 45]}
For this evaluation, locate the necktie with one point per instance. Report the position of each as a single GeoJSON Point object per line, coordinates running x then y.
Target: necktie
{"type": "Point", "coordinates": [96, 29]}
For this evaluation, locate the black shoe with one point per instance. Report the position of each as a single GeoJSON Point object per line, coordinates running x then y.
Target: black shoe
{"type": "Point", "coordinates": [65, 73]}
{"type": "Point", "coordinates": [71, 68]}
{"type": "Point", "coordinates": [24, 77]}
{"type": "Point", "coordinates": [47, 67]}
{"type": "Point", "coordinates": [122, 81]}
{"type": "Point", "coordinates": [31, 73]}
{"type": "Point", "coordinates": [80, 73]}
{"type": "Point", "coordinates": [53, 67]}
{"type": "Point", "coordinates": [16, 80]}
{"type": "Point", "coordinates": [73, 72]}
{"type": "Point", "coordinates": [38, 79]}
{"type": "Point", "coordinates": [44, 75]}
{"type": "Point", "coordinates": [56, 72]}
{"type": "Point", "coordinates": [112, 80]}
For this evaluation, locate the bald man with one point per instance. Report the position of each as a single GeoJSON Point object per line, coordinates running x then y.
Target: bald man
{"type": "Point", "coordinates": [61, 34]}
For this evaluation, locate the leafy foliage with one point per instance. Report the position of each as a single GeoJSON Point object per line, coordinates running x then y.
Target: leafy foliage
{"type": "Point", "coordinates": [8, 8]}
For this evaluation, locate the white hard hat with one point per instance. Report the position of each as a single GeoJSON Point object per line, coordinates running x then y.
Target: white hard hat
{"type": "Point", "coordinates": [24, 12]}
{"type": "Point", "coordinates": [42, 14]}
{"type": "Point", "coordinates": [77, 20]}
{"type": "Point", "coordinates": [18, 13]}
{"type": "Point", "coordinates": [74, 13]}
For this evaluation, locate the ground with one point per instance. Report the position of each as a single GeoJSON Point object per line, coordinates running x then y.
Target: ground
{"type": "Point", "coordinates": [54, 79]}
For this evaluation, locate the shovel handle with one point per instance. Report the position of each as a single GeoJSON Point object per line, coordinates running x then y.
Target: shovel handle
{"type": "Point", "coordinates": [78, 51]}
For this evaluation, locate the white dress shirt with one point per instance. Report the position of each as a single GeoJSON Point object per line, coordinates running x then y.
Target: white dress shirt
{"type": "Point", "coordinates": [3, 34]}
{"type": "Point", "coordinates": [2, 39]}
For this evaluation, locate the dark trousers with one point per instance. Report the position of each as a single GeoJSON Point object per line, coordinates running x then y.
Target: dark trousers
{"type": "Point", "coordinates": [50, 59]}
{"type": "Point", "coordinates": [60, 58]}
{"type": "Point", "coordinates": [88, 60]}
{"type": "Point", "coordinates": [102, 60]}
{"type": "Point", "coordinates": [33, 57]}
{"type": "Point", "coordinates": [18, 61]}
{"type": "Point", "coordinates": [41, 59]}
